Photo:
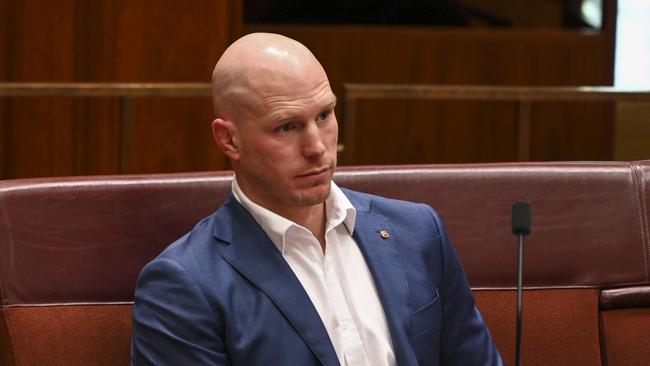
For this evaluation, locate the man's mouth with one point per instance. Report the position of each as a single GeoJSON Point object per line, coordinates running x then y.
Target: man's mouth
{"type": "Point", "coordinates": [314, 172]}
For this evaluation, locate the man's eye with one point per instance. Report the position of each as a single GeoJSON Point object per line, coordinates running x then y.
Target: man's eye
{"type": "Point", "coordinates": [287, 127]}
{"type": "Point", "coordinates": [323, 115]}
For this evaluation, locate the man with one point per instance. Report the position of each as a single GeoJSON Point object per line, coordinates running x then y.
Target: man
{"type": "Point", "coordinates": [293, 270]}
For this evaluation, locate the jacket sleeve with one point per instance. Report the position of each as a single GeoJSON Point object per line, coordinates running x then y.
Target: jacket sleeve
{"type": "Point", "coordinates": [173, 324]}
{"type": "Point", "coordinates": [465, 339]}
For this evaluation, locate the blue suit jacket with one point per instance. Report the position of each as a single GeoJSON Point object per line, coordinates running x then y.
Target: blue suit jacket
{"type": "Point", "coordinates": [223, 294]}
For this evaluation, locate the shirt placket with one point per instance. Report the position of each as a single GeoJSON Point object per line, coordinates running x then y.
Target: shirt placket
{"type": "Point", "coordinates": [347, 330]}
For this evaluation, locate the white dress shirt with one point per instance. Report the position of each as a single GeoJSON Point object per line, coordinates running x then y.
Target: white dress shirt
{"type": "Point", "coordinates": [338, 282]}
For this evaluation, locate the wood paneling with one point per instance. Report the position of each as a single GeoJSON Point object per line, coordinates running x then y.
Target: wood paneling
{"type": "Point", "coordinates": [60, 136]}
{"type": "Point", "coordinates": [573, 131]}
{"type": "Point", "coordinates": [464, 56]}
{"type": "Point", "coordinates": [434, 132]}
{"type": "Point", "coordinates": [632, 131]}
{"type": "Point", "coordinates": [426, 132]}
{"type": "Point", "coordinates": [180, 141]}
{"type": "Point", "coordinates": [584, 111]}
{"type": "Point", "coordinates": [154, 41]}
{"type": "Point", "coordinates": [125, 40]}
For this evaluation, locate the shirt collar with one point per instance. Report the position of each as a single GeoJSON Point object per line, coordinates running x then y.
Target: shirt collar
{"type": "Point", "coordinates": [338, 209]}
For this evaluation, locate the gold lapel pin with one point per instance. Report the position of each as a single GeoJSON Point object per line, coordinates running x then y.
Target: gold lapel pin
{"type": "Point", "coordinates": [384, 234]}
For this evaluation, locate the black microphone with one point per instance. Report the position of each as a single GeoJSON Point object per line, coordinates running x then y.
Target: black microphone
{"type": "Point", "coordinates": [521, 218]}
{"type": "Point", "coordinates": [521, 228]}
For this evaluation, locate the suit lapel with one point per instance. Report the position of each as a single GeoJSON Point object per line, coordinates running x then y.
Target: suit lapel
{"type": "Point", "coordinates": [382, 257]}
{"type": "Point", "coordinates": [255, 257]}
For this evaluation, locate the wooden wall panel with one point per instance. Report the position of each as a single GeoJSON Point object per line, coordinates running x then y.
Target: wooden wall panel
{"type": "Point", "coordinates": [464, 56]}
{"type": "Point", "coordinates": [466, 132]}
{"type": "Point", "coordinates": [577, 131]}
{"type": "Point", "coordinates": [39, 40]}
{"type": "Point", "coordinates": [4, 158]}
{"type": "Point", "coordinates": [109, 41]}
{"type": "Point", "coordinates": [632, 131]}
{"type": "Point", "coordinates": [37, 138]}
{"type": "Point", "coordinates": [436, 132]}
{"type": "Point", "coordinates": [150, 41]}
{"type": "Point", "coordinates": [60, 136]}
{"type": "Point", "coordinates": [4, 36]}
{"type": "Point", "coordinates": [182, 140]}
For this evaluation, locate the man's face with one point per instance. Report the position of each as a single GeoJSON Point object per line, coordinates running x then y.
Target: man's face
{"type": "Point", "coordinates": [287, 151]}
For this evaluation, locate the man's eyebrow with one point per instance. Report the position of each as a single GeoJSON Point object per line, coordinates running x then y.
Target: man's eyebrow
{"type": "Point", "coordinates": [286, 116]}
{"type": "Point", "coordinates": [331, 104]}
{"type": "Point", "coordinates": [281, 116]}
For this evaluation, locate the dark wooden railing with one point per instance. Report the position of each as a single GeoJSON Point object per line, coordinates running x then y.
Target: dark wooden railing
{"type": "Point", "coordinates": [523, 96]}
{"type": "Point", "coordinates": [126, 92]}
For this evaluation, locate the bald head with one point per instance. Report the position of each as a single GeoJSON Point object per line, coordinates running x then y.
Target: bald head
{"type": "Point", "coordinates": [256, 66]}
{"type": "Point", "coordinates": [275, 121]}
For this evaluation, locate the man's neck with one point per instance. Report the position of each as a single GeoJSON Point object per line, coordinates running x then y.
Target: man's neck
{"type": "Point", "coordinates": [313, 218]}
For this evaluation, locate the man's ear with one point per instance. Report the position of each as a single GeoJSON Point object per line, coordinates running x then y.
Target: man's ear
{"type": "Point", "coordinates": [226, 137]}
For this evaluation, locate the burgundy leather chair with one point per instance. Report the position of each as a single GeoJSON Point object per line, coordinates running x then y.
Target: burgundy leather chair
{"type": "Point", "coordinates": [71, 249]}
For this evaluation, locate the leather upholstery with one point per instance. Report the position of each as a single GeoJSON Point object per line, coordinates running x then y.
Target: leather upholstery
{"type": "Point", "coordinates": [625, 297]}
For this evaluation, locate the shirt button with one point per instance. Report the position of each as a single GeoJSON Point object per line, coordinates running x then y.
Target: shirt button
{"type": "Point", "coordinates": [344, 325]}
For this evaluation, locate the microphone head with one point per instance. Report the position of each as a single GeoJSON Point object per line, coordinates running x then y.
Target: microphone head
{"type": "Point", "coordinates": [521, 218]}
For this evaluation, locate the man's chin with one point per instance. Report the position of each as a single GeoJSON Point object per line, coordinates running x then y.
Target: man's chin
{"type": "Point", "coordinates": [313, 196]}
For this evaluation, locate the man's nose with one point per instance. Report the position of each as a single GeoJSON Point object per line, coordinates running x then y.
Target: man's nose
{"type": "Point", "coordinates": [313, 144]}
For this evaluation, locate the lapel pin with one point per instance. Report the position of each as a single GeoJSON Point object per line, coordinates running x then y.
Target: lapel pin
{"type": "Point", "coordinates": [384, 234]}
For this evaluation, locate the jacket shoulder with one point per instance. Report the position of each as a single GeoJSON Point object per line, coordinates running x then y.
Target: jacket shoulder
{"type": "Point", "coordinates": [371, 202]}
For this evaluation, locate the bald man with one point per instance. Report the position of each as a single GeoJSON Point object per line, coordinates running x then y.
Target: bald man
{"type": "Point", "coordinates": [291, 269]}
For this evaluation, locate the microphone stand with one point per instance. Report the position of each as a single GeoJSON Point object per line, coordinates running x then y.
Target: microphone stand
{"type": "Point", "coordinates": [520, 299]}
{"type": "Point", "coordinates": [521, 228]}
